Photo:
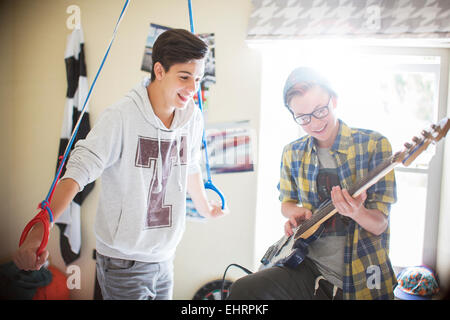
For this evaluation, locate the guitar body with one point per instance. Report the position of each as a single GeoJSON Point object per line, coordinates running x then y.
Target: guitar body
{"type": "Point", "coordinates": [289, 251]}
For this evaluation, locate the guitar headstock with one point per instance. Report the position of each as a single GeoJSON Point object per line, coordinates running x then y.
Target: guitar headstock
{"type": "Point", "coordinates": [419, 144]}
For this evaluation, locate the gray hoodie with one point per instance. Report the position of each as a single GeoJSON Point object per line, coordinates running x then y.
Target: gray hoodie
{"type": "Point", "coordinates": [144, 168]}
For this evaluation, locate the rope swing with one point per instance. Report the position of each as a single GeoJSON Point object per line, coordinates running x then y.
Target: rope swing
{"type": "Point", "coordinates": [208, 184]}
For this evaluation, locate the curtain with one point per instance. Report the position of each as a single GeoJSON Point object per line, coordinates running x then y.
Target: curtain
{"type": "Point", "coordinates": [302, 19]}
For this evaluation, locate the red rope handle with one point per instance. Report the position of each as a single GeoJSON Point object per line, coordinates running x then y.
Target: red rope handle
{"type": "Point", "coordinates": [42, 216]}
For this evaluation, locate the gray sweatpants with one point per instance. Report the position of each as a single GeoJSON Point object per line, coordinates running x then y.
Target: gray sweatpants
{"type": "Point", "coordinates": [134, 280]}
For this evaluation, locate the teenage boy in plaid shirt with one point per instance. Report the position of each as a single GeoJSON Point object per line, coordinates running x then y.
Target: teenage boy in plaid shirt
{"type": "Point", "coordinates": [350, 259]}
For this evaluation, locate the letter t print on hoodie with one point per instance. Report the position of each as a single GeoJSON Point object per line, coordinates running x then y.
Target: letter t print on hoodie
{"type": "Point", "coordinates": [159, 213]}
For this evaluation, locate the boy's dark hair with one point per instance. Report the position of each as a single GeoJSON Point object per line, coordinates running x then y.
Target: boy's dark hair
{"type": "Point", "coordinates": [177, 46]}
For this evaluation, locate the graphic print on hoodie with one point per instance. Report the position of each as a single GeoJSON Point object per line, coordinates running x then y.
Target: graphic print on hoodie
{"type": "Point", "coordinates": [159, 213]}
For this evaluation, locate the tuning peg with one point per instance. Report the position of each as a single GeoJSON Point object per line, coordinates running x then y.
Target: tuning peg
{"type": "Point", "coordinates": [426, 134]}
{"type": "Point", "coordinates": [408, 145]}
{"type": "Point", "coordinates": [416, 140]}
{"type": "Point", "coordinates": [398, 156]}
{"type": "Point", "coordinates": [435, 127]}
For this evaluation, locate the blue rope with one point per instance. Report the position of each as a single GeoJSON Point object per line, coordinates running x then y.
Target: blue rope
{"type": "Point", "coordinates": [208, 183]}
{"type": "Point", "coordinates": [75, 131]}
{"type": "Point", "coordinates": [191, 18]}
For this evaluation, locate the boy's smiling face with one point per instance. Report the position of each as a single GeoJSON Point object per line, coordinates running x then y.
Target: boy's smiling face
{"type": "Point", "coordinates": [181, 82]}
{"type": "Point", "coordinates": [323, 130]}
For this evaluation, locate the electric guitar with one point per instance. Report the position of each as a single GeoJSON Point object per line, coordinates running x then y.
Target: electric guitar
{"type": "Point", "coordinates": [291, 251]}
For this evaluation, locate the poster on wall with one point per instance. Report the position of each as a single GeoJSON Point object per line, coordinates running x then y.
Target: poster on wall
{"type": "Point", "coordinates": [191, 212]}
{"type": "Point", "coordinates": [230, 150]}
{"type": "Point", "coordinates": [154, 32]}
{"type": "Point", "coordinates": [210, 64]}
{"type": "Point", "coordinates": [230, 147]}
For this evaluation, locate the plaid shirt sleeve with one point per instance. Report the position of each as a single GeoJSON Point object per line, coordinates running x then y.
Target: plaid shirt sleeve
{"type": "Point", "coordinates": [369, 273]}
{"type": "Point", "coordinates": [382, 194]}
{"type": "Point", "coordinates": [287, 186]}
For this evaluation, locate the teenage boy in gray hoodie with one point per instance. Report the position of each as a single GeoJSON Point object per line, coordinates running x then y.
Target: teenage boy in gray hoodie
{"type": "Point", "coordinates": [146, 148]}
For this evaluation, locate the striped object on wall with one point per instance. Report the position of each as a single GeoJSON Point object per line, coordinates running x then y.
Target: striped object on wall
{"type": "Point", "coordinates": [69, 222]}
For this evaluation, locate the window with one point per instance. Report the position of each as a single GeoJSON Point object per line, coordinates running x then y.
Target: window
{"type": "Point", "coordinates": [395, 91]}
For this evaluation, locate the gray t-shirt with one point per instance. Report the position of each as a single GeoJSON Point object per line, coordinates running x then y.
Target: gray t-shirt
{"type": "Point", "coordinates": [327, 252]}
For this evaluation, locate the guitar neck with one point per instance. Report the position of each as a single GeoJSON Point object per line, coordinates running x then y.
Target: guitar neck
{"type": "Point", "coordinates": [325, 211]}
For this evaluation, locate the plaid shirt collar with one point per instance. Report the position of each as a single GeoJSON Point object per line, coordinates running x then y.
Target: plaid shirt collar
{"type": "Point", "coordinates": [341, 144]}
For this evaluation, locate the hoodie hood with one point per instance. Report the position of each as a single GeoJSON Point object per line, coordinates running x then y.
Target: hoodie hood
{"type": "Point", "coordinates": [182, 116]}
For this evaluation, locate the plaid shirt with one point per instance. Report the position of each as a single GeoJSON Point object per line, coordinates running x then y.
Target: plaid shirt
{"type": "Point", "coordinates": [368, 273]}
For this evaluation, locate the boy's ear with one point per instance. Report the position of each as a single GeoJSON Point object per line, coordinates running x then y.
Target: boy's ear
{"type": "Point", "coordinates": [334, 102]}
{"type": "Point", "coordinates": [159, 71]}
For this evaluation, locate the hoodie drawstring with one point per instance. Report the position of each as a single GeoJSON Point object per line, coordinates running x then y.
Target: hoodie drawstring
{"type": "Point", "coordinates": [335, 289]}
{"type": "Point", "coordinates": [160, 162]}
{"type": "Point", "coordinates": [316, 283]}
{"type": "Point", "coordinates": [160, 166]}
{"type": "Point", "coordinates": [316, 286]}
{"type": "Point", "coordinates": [178, 141]}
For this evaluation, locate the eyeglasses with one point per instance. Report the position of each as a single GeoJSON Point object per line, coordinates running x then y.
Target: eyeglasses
{"type": "Point", "coordinates": [319, 113]}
